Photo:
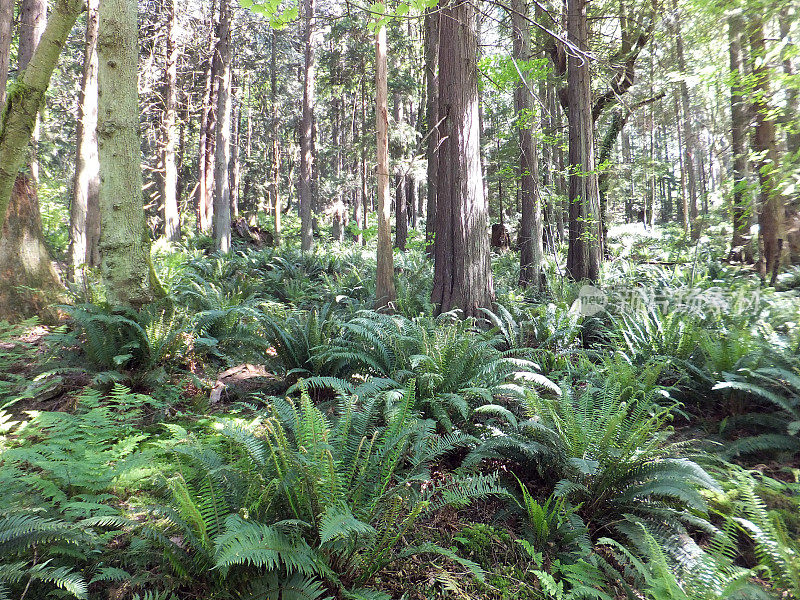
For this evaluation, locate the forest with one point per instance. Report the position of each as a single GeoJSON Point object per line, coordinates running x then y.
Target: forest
{"type": "Point", "coordinates": [413, 299]}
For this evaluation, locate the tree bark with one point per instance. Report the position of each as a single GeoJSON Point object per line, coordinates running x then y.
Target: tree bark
{"type": "Point", "coordinates": [462, 272]}
{"type": "Point", "coordinates": [530, 231]}
{"type": "Point", "coordinates": [222, 158]}
{"type": "Point", "coordinates": [739, 125]}
{"type": "Point", "coordinates": [85, 203]}
{"type": "Point", "coordinates": [28, 266]}
{"type": "Point", "coordinates": [771, 214]}
{"type": "Point", "coordinates": [32, 20]}
{"type": "Point", "coordinates": [307, 129]}
{"type": "Point", "coordinates": [432, 119]}
{"type": "Point", "coordinates": [125, 242]}
{"type": "Point", "coordinates": [585, 235]}
{"type": "Point", "coordinates": [169, 180]}
{"type": "Point", "coordinates": [6, 17]}
{"type": "Point", "coordinates": [385, 293]}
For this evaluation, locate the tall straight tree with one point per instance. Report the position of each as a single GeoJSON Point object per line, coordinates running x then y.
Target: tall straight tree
{"type": "Point", "coordinates": [772, 210]}
{"type": "Point", "coordinates": [222, 159]}
{"type": "Point", "coordinates": [275, 153]}
{"type": "Point", "coordinates": [307, 128]}
{"type": "Point", "coordinates": [739, 125]}
{"type": "Point", "coordinates": [530, 231]}
{"type": "Point", "coordinates": [85, 203]}
{"type": "Point", "coordinates": [385, 293]}
{"type": "Point", "coordinates": [205, 155]}
{"type": "Point", "coordinates": [687, 127]}
{"type": "Point", "coordinates": [124, 239]}
{"type": "Point", "coordinates": [462, 273]}
{"type": "Point", "coordinates": [169, 131]}
{"type": "Point", "coordinates": [585, 232]}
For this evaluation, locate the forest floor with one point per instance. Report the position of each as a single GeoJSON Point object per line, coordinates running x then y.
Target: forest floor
{"type": "Point", "coordinates": [263, 433]}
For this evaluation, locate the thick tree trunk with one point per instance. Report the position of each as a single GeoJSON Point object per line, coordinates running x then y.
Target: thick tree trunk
{"type": "Point", "coordinates": [530, 231]}
{"type": "Point", "coordinates": [28, 282]}
{"type": "Point", "coordinates": [462, 272]}
{"type": "Point", "coordinates": [29, 285]}
{"type": "Point", "coordinates": [6, 17]}
{"type": "Point", "coordinates": [739, 125]}
{"type": "Point", "coordinates": [585, 235]}
{"type": "Point", "coordinates": [125, 242]}
{"type": "Point", "coordinates": [385, 293]}
{"type": "Point", "coordinates": [222, 159]}
{"type": "Point", "coordinates": [85, 204]}
{"type": "Point", "coordinates": [689, 142]}
{"type": "Point", "coordinates": [432, 119]}
{"type": "Point", "coordinates": [169, 179]}
{"type": "Point", "coordinates": [771, 214]}
{"type": "Point", "coordinates": [307, 129]}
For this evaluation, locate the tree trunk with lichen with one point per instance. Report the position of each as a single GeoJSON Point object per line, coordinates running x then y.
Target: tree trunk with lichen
{"type": "Point", "coordinates": [29, 283]}
{"type": "Point", "coordinates": [125, 242]}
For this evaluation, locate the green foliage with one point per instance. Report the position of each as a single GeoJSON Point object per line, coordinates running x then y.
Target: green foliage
{"type": "Point", "coordinates": [141, 344]}
{"type": "Point", "coordinates": [308, 497]}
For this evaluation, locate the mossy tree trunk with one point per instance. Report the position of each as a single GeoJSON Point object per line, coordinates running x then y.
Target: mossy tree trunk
{"type": "Point", "coordinates": [28, 282]}
{"type": "Point", "coordinates": [125, 242]}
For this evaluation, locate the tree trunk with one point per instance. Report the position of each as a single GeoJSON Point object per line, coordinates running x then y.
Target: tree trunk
{"type": "Point", "coordinates": [205, 208]}
{"type": "Point", "coordinates": [739, 125]}
{"type": "Point", "coordinates": [32, 20]}
{"type": "Point", "coordinates": [6, 17]}
{"type": "Point", "coordinates": [27, 96]}
{"type": "Point", "coordinates": [530, 231]}
{"type": "Point", "coordinates": [585, 235]}
{"type": "Point", "coordinates": [28, 282]}
{"type": "Point", "coordinates": [462, 272]}
{"type": "Point", "coordinates": [274, 133]}
{"type": "Point", "coordinates": [688, 129]}
{"type": "Point", "coordinates": [400, 208]}
{"type": "Point", "coordinates": [771, 215]}
{"type": "Point", "coordinates": [222, 159]}
{"type": "Point", "coordinates": [125, 242]}
{"type": "Point", "coordinates": [385, 293]}
{"type": "Point", "coordinates": [85, 205]}
{"type": "Point", "coordinates": [432, 119]}
{"type": "Point", "coordinates": [307, 129]}
{"type": "Point", "coordinates": [235, 165]}
{"type": "Point", "coordinates": [169, 180]}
